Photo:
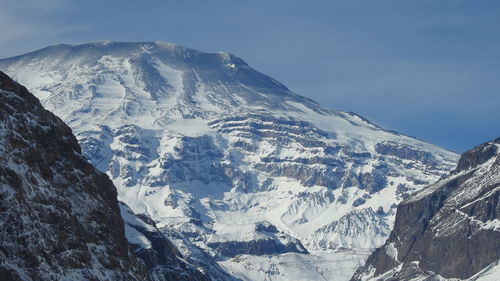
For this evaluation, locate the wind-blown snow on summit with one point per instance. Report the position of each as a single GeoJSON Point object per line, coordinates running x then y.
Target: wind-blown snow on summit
{"type": "Point", "coordinates": [232, 160]}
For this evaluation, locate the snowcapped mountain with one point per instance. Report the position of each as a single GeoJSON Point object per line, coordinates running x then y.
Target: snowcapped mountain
{"type": "Point", "coordinates": [228, 162]}
{"type": "Point", "coordinates": [450, 229]}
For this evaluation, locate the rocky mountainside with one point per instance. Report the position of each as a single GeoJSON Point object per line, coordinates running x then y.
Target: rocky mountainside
{"type": "Point", "coordinates": [227, 161]}
{"type": "Point", "coordinates": [450, 229]}
{"type": "Point", "coordinates": [60, 217]}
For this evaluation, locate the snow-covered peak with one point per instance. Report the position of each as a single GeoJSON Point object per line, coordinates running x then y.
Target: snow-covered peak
{"type": "Point", "coordinates": [151, 83]}
{"type": "Point", "coordinates": [203, 143]}
{"type": "Point", "coordinates": [148, 78]}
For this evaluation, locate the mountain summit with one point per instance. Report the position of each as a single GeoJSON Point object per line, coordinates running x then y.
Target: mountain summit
{"type": "Point", "coordinates": [154, 78]}
{"type": "Point", "coordinates": [228, 162]}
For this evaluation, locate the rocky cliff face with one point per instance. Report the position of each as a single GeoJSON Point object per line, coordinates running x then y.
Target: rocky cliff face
{"type": "Point", "coordinates": [212, 150]}
{"type": "Point", "coordinates": [59, 216]}
{"type": "Point", "coordinates": [450, 229]}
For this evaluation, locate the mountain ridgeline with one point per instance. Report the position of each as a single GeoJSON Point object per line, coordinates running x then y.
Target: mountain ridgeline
{"type": "Point", "coordinates": [234, 168]}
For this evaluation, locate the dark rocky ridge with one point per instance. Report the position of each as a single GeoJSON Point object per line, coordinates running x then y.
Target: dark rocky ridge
{"type": "Point", "coordinates": [477, 156]}
{"type": "Point", "coordinates": [448, 229]}
{"type": "Point", "coordinates": [270, 246]}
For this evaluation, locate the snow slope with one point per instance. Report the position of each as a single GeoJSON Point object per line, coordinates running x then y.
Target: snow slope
{"type": "Point", "coordinates": [229, 159]}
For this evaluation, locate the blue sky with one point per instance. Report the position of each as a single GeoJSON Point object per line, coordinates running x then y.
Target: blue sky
{"type": "Point", "coordinates": [426, 68]}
